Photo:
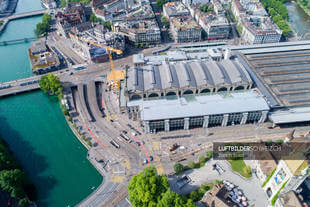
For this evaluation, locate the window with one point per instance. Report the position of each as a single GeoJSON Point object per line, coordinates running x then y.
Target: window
{"type": "Point", "coordinates": [196, 122]}
{"type": "Point", "coordinates": [176, 124]}
{"type": "Point", "coordinates": [157, 125]}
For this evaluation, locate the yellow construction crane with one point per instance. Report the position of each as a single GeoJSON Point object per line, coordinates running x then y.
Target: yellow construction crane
{"type": "Point", "coordinates": [115, 82]}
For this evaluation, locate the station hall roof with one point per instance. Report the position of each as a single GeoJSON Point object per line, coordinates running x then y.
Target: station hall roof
{"type": "Point", "coordinates": [203, 105]}
{"type": "Point", "coordinates": [187, 74]}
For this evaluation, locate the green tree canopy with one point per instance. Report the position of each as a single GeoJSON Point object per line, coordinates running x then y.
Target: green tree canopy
{"type": "Point", "coordinates": [174, 200]}
{"type": "Point", "coordinates": [93, 18]}
{"type": "Point", "coordinates": [43, 27]}
{"type": "Point", "coordinates": [50, 84]}
{"type": "Point", "coordinates": [147, 187]}
{"type": "Point", "coordinates": [160, 4]}
{"type": "Point", "coordinates": [107, 24]}
{"type": "Point", "coordinates": [165, 21]}
{"type": "Point", "coordinates": [12, 181]}
{"type": "Point", "coordinates": [178, 168]}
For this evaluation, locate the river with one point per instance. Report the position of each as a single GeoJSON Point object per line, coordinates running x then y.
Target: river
{"type": "Point", "coordinates": [34, 128]}
{"type": "Point", "coordinates": [299, 20]}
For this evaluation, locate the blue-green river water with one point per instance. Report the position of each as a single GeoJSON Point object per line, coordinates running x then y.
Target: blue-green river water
{"type": "Point", "coordinates": [35, 129]}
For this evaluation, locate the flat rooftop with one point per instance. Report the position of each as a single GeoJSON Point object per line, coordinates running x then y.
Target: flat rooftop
{"type": "Point", "coordinates": [282, 74]}
{"type": "Point", "coordinates": [203, 105]}
{"type": "Point", "coordinates": [301, 114]}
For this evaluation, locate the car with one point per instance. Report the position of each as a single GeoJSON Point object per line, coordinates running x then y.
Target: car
{"type": "Point", "coordinates": [124, 131]}
{"type": "Point", "coordinates": [173, 147]}
{"type": "Point", "coordinates": [151, 158]}
{"type": "Point", "coordinates": [71, 73]}
{"type": "Point", "coordinates": [133, 134]}
{"type": "Point", "coordinates": [145, 161]}
{"type": "Point", "coordinates": [111, 120]}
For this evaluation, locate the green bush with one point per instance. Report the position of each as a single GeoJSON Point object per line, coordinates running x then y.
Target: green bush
{"type": "Point", "coordinates": [247, 170]}
{"type": "Point", "coordinates": [70, 119]}
{"type": "Point", "coordinates": [23, 202]}
{"type": "Point", "coordinates": [89, 143]}
{"type": "Point", "coordinates": [191, 164]}
{"type": "Point", "coordinates": [83, 137]}
{"type": "Point", "coordinates": [178, 168]}
{"type": "Point", "coordinates": [209, 154]}
{"type": "Point", "coordinates": [275, 197]}
{"type": "Point", "coordinates": [202, 159]}
{"type": "Point", "coordinates": [194, 195]}
{"type": "Point", "coordinates": [269, 177]}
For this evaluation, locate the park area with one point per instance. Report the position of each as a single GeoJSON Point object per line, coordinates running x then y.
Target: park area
{"type": "Point", "coordinates": [240, 167]}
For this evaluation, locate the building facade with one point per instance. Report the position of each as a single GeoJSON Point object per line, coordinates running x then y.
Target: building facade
{"type": "Point", "coordinates": [185, 29]}
{"type": "Point", "coordinates": [139, 31]}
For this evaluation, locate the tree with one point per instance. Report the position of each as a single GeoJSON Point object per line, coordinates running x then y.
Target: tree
{"type": "Point", "coordinates": [191, 164]}
{"type": "Point", "coordinates": [160, 3]}
{"type": "Point", "coordinates": [23, 202]}
{"type": "Point", "coordinates": [107, 24]}
{"type": "Point", "coordinates": [7, 161]}
{"type": "Point", "coordinates": [194, 195]}
{"type": "Point", "coordinates": [211, 8]}
{"type": "Point", "coordinates": [202, 158]}
{"type": "Point", "coordinates": [93, 18]}
{"type": "Point", "coordinates": [13, 181]}
{"type": "Point", "coordinates": [43, 27]}
{"type": "Point", "coordinates": [50, 84]}
{"type": "Point", "coordinates": [178, 168]}
{"type": "Point", "coordinates": [147, 187]}
{"type": "Point", "coordinates": [170, 198]}
{"type": "Point", "coordinates": [203, 7]}
{"type": "Point", "coordinates": [165, 21]}
{"type": "Point", "coordinates": [63, 3]}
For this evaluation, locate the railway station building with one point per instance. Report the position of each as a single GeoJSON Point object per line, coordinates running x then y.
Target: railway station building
{"type": "Point", "coordinates": [186, 95]}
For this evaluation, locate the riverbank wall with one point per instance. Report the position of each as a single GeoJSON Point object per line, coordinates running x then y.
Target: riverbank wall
{"type": "Point", "coordinates": [3, 26]}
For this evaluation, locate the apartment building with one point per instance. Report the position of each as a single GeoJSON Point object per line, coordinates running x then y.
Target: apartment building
{"type": "Point", "coordinates": [73, 15]}
{"type": "Point", "coordinates": [139, 31]}
{"type": "Point", "coordinates": [185, 29]}
{"type": "Point", "coordinates": [175, 9]}
{"type": "Point", "coordinates": [256, 26]}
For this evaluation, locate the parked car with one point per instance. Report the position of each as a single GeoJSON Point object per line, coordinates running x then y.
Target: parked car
{"type": "Point", "coordinates": [173, 147]}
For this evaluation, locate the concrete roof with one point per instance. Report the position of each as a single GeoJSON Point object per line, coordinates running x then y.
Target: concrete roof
{"type": "Point", "coordinates": [291, 115]}
{"type": "Point", "coordinates": [194, 106]}
{"type": "Point", "coordinates": [38, 46]}
{"type": "Point", "coordinates": [184, 74]}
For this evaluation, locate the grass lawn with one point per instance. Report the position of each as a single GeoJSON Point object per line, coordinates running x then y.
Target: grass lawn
{"type": "Point", "coordinates": [240, 167]}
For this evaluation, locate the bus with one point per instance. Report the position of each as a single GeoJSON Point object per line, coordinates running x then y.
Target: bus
{"type": "Point", "coordinates": [115, 144]}
{"type": "Point", "coordinates": [125, 137]}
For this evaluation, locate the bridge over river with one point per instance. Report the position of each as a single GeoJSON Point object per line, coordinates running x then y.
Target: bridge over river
{"type": "Point", "coordinates": [20, 16]}
{"type": "Point", "coordinates": [24, 15]}
{"type": "Point", "coordinates": [19, 86]}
